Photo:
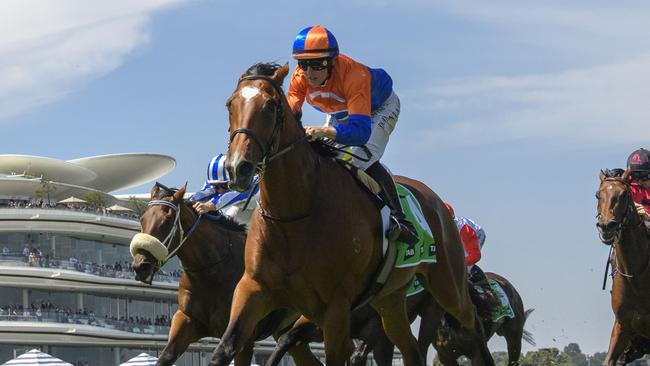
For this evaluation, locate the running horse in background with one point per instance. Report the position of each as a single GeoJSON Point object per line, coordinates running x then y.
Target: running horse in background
{"type": "Point", "coordinates": [211, 251]}
{"type": "Point", "coordinates": [620, 225]}
{"type": "Point", "coordinates": [316, 241]}
{"type": "Point", "coordinates": [451, 342]}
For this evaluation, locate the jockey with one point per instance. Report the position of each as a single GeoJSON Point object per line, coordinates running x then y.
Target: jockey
{"type": "Point", "coordinates": [215, 195]}
{"type": "Point", "coordinates": [473, 237]}
{"type": "Point", "coordinates": [361, 107]}
{"type": "Point", "coordinates": [639, 165]}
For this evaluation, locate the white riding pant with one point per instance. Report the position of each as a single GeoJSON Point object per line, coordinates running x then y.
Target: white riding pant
{"type": "Point", "coordinates": [383, 122]}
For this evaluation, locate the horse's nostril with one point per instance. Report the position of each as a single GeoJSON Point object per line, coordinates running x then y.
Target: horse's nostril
{"type": "Point", "coordinates": [245, 169]}
{"type": "Point", "coordinates": [607, 226]}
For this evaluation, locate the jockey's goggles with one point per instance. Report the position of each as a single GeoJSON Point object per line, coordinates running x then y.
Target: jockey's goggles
{"type": "Point", "coordinates": [316, 64]}
{"type": "Point", "coordinates": [640, 175]}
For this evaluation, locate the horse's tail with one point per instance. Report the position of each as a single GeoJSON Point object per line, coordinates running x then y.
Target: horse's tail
{"type": "Point", "coordinates": [528, 336]}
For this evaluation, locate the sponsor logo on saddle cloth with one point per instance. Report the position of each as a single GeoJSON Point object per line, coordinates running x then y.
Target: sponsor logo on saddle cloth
{"type": "Point", "coordinates": [415, 288]}
{"type": "Point", "coordinates": [425, 250]}
{"type": "Point", "coordinates": [504, 309]}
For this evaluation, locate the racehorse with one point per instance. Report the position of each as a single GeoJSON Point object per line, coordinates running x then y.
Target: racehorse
{"type": "Point", "coordinates": [620, 225]}
{"type": "Point", "coordinates": [315, 243]}
{"type": "Point", "coordinates": [451, 342]}
{"type": "Point", "coordinates": [212, 255]}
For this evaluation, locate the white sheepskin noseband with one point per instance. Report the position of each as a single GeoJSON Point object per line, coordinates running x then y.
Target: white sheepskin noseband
{"type": "Point", "coordinates": [150, 244]}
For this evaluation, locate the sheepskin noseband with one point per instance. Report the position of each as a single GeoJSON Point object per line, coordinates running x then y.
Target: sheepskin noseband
{"type": "Point", "coordinates": [150, 244]}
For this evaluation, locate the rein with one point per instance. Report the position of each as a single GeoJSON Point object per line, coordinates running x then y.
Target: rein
{"type": "Point", "coordinates": [176, 227]}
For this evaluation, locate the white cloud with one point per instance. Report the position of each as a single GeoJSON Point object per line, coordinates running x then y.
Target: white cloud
{"type": "Point", "coordinates": [597, 106]}
{"type": "Point", "coordinates": [48, 49]}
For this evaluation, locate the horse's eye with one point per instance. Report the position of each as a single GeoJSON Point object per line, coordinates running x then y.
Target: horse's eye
{"type": "Point", "coordinates": [597, 195]}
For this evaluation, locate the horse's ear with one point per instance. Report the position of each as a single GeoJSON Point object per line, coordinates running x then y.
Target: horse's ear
{"type": "Point", "coordinates": [178, 195]}
{"type": "Point", "coordinates": [626, 174]}
{"type": "Point", "coordinates": [602, 175]}
{"type": "Point", "coordinates": [280, 74]}
{"type": "Point", "coordinates": [154, 191]}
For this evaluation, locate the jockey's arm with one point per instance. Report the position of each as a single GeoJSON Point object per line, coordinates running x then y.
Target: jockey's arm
{"type": "Point", "coordinates": [296, 93]}
{"type": "Point", "coordinates": [471, 244]}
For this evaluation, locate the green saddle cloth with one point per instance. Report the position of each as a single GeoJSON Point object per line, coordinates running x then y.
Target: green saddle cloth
{"type": "Point", "coordinates": [504, 309]}
{"type": "Point", "coordinates": [425, 250]}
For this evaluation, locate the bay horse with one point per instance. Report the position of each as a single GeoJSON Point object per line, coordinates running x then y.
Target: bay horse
{"type": "Point", "coordinates": [620, 225]}
{"type": "Point", "coordinates": [211, 252]}
{"type": "Point", "coordinates": [316, 241]}
{"type": "Point", "coordinates": [451, 342]}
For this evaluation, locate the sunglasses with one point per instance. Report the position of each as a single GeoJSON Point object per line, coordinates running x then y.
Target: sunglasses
{"type": "Point", "coordinates": [316, 65]}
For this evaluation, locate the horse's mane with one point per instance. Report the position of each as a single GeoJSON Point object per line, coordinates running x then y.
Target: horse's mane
{"type": "Point", "coordinates": [613, 173]}
{"type": "Point", "coordinates": [263, 69]}
{"type": "Point", "coordinates": [225, 221]}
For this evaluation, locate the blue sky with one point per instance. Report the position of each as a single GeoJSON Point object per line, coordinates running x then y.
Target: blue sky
{"type": "Point", "coordinates": [509, 109]}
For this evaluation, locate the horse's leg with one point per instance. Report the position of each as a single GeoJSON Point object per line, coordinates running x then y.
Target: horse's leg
{"type": "Point", "coordinates": [619, 340]}
{"type": "Point", "coordinates": [249, 306]}
{"type": "Point", "coordinates": [513, 337]}
{"type": "Point", "coordinates": [383, 351]}
{"type": "Point", "coordinates": [457, 302]}
{"type": "Point", "coordinates": [430, 319]}
{"type": "Point", "coordinates": [336, 333]}
{"type": "Point", "coordinates": [302, 355]}
{"type": "Point", "coordinates": [244, 357]}
{"type": "Point", "coordinates": [392, 310]}
{"type": "Point", "coordinates": [302, 331]}
{"type": "Point", "coordinates": [372, 338]}
{"type": "Point", "coordinates": [448, 361]}
{"type": "Point", "coordinates": [182, 332]}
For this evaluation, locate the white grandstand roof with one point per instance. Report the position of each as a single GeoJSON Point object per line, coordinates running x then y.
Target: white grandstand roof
{"type": "Point", "coordinates": [20, 175]}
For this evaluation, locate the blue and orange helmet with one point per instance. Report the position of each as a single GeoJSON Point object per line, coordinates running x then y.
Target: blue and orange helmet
{"type": "Point", "coordinates": [315, 42]}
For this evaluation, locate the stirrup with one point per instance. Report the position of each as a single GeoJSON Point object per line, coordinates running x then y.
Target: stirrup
{"type": "Point", "coordinates": [401, 232]}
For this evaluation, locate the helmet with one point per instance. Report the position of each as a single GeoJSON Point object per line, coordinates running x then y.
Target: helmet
{"type": "Point", "coordinates": [217, 170]}
{"type": "Point", "coordinates": [315, 42]}
{"type": "Point", "coordinates": [639, 160]}
{"type": "Point", "coordinates": [451, 210]}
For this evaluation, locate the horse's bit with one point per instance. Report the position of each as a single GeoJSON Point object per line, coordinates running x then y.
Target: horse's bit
{"type": "Point", "coordinates": [176, 227]}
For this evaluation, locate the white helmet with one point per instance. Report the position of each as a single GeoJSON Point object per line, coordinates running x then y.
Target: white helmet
{"type": "Point", "coordinates": [217, 170]}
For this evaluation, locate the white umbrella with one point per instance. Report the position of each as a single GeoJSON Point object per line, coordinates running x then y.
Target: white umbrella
{"type": "Point", "coordinates": [142, 359]}
{"type": "Point", "coordinates": [117, 208]}
{"type": "Point", "coordinates": [73, 199]}
{"type": "Point", "coordinates": [35, 358]}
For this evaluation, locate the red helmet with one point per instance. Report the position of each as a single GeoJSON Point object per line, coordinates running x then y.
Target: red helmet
{"type": "Point", "coordinates": [451, 210]}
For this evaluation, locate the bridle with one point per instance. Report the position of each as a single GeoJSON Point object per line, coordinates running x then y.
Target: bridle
{"type": "Point", "coordinates": [177, 227]}
{"type": "Point", "coordinates": [625, 219]}
{"type": "Point", "coordinates": [266, 149]}
{"type": "Point", "coordinates": [267, 154]}
{"type": "Point", "coordinates": [625, 222]}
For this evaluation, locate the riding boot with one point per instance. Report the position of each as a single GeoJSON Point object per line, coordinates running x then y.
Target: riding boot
{"type": "Point", "coordinates": [477, 275]}
{"type": "Point", "coordinates": [480, 281]}
{"type": "Point", "coordinates": [400, 228]}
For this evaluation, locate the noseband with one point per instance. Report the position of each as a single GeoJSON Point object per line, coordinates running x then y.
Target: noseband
{"type": "Point", "coordinates": [176, 227]}
{"type": "Point", "coordinates": [267, 155]}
